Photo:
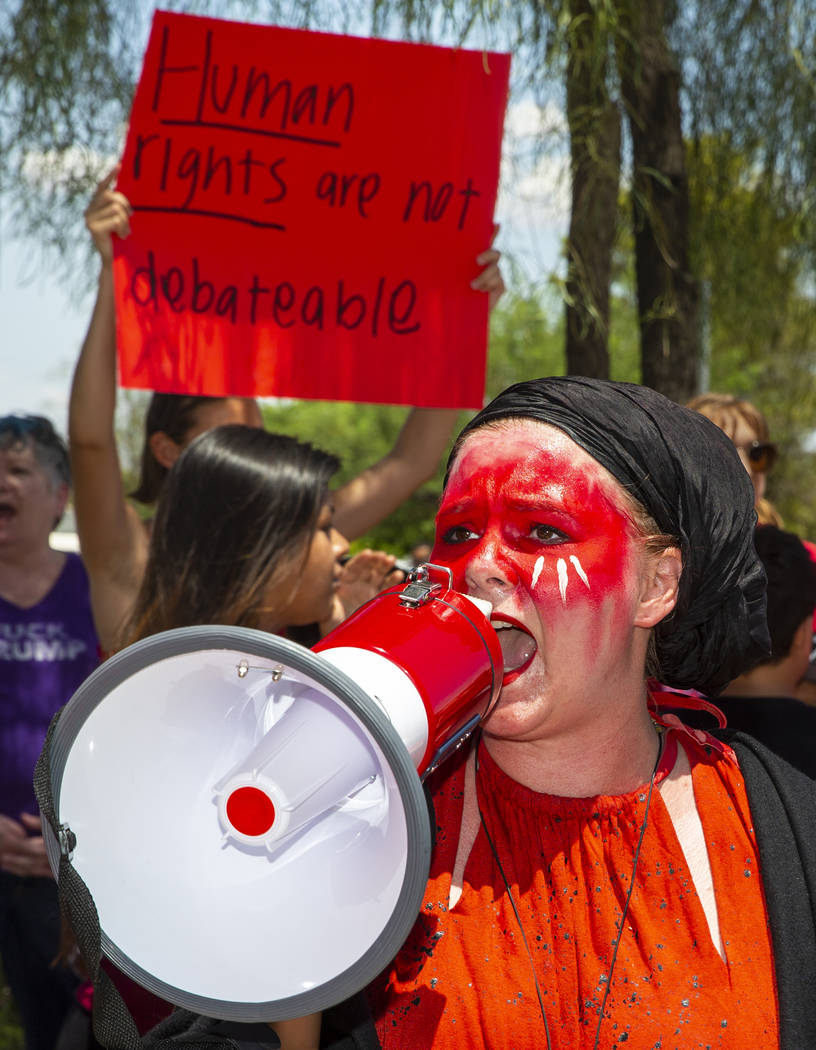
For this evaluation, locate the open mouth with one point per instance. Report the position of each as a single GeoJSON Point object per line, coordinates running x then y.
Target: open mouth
{"type": "Point", "coordinates": [517, 645]}
{"type": "Point", "coordinates": [6, 511]}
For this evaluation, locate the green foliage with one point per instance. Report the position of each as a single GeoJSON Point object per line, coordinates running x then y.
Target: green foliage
{"type": "Point", "coordinates": [525, 341]}
{"type": "Point", "coordinates": [131, 407]}
{"type": "Point", "coordinates": [624, 329]}
{"type": "Point", "coordinates": [360, 435]}
{"type": "Point", "coordinates": [11, 1034]}
{"type": "Point", "coordinates": [749, 74]}
{"type": "Point", "coordinates": [762, 309]}
{"type": "Point", "coordinates": [67, 72]}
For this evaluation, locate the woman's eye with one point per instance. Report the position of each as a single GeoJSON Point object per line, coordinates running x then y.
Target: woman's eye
{"type": "Point", "coordinates": [458, 534]}
{"type": "Point", "coordinates": [548, 534]}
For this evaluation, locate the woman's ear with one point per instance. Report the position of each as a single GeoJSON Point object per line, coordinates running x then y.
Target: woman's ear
{"type": "Point", "coordinates": [164, 448]}
{"type": "Point", "coordinates": [803, 640]}
{"type": "Point", "coordinates": [660, 587]}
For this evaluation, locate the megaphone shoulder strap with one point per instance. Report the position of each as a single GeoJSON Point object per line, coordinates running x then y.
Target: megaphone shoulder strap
{"type": "Point", "coordinates": [112, 1021]}
{"type": "Point", "coordinates": [113, 1024]}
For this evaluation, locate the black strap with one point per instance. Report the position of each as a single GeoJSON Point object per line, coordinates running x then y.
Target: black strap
{"type": "Point", "coordinates": [783, 804]}
{"type": "Point", "coordinates": [113, 1024]}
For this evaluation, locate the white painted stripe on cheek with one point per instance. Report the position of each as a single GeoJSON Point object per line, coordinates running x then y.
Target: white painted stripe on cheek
{"type": "Point", "coordinates": [580, 570]}
{"type": "Point", "coordinates": [562, 579]}
{"type": "Point", "coordinates": [539, 565]}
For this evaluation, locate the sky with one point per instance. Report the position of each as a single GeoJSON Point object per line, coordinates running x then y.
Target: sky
{"type": "Point", "coordinates": [42, 322]}
{"type": "Point", "coordinates": [41, 331]}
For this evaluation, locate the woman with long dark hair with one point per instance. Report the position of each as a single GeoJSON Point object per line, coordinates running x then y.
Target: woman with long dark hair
{"type": "Point", "coordinates": [243, 535]}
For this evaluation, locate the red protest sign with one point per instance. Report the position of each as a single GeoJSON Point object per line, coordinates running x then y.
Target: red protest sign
{"type": "Point", "coordinates": [307, 212]}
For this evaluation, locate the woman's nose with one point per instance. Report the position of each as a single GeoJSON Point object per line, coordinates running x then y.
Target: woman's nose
{"type": "Point", "coordinates": [489, 572]}
{"type": "Point", "coordinates": [340, 545]}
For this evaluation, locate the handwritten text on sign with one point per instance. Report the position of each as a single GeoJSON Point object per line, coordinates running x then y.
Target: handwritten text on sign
{"type": "Point", "coordinates": [308, 209]}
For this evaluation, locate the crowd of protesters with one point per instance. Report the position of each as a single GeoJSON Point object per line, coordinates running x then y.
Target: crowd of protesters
{"type": "Point", "coordinates": [686, 607]}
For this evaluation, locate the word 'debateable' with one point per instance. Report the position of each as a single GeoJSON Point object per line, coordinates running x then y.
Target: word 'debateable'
{"type": "Point", "coordinates": [379, 305]}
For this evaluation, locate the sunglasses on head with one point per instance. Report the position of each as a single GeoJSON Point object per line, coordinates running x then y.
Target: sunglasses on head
{"type": "Point", "coordinates": [25, 426]}
{"type": "Point", "coordinates": [761, 455]}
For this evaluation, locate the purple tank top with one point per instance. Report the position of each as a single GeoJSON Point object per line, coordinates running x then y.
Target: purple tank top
{"type": "Point", "coordinates": [45, 653]}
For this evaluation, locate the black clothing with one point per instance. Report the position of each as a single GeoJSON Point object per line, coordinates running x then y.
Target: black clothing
{"type": "Point", "coordinates": [783, 805]}
{"type": "Point", "coordinates": [784, 725]}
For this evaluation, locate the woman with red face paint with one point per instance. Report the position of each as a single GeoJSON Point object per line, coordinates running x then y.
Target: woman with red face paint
{"type": "Point", "coordinates": [602, 875]}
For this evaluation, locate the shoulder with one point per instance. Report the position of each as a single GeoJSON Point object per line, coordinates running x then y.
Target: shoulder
{"type": "Point", "coordinates": [778, 794]}
{"type": "Point", "coordinates": [75, 565]}
{"type": "Point", "coordinates": [74, 576]}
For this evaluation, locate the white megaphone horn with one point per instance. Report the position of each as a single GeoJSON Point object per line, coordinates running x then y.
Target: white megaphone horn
{"type": "Point", "coordinates": [248, 815]}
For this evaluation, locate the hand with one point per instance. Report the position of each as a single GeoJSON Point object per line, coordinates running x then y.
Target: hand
{"type": "Point", "coordinates": [22, 847]}
{"type": "Point", "coordinates": [490, 280]}
{"type": "Point", "coordinates": [364, 575]}
{"type": "Point", "coordinates": [108, 213]}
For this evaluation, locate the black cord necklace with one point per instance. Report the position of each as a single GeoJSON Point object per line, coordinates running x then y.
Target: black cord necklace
{"type": "Point", "coordinates": [619, 932]}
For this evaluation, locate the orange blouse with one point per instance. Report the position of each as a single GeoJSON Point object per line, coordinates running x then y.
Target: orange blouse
{"type": "Point", "coordinates": [464, 976]}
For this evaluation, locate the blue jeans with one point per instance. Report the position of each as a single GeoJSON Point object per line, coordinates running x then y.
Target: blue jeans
{"type": "Point", "coordinates": [29, 942]}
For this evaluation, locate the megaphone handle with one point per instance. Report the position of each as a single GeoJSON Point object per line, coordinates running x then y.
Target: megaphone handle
{"type": "Point", "coordinates": [451, 745]}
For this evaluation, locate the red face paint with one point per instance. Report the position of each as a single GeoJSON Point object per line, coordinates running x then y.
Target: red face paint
{"type": "Point", "coordinates": [532, 523]}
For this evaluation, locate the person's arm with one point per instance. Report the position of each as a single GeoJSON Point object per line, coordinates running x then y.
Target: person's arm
{"type": "Point", "coordinates": [365, 500]}
{"type": "Point", "coordinates": [302, 1033]}
{"type": "Point", "coordinates": [112, 539]}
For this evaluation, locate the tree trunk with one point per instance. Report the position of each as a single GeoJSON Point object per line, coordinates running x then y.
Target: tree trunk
{"type": "Point", "coordinates": [667, 291]}
{"type": "Point", "coordinates": [595, 134]}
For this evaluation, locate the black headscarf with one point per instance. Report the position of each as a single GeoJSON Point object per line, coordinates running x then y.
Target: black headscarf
{"type": "Point", "coordinates": [688, 476]}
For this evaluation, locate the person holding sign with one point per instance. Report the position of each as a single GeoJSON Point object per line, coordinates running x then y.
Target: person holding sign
{"type": "Point", "coordinates": [114, 540]}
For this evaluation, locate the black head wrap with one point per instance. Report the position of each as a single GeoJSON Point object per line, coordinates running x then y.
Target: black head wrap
{"type": "Point", "coordinates": [687, 474]}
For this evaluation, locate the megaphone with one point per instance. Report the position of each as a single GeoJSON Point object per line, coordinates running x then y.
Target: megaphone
{"type": "Point", "coordinates": [249, 816]}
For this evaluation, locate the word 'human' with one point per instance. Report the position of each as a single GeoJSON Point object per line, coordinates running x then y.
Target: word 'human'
{"type": "Point", "coordinates": [227, 94]}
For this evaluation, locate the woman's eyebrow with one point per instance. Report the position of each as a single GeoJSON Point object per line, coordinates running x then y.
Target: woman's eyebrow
{"type": "Point", "coordinates": [456, 508]}
{"type": "Point", "coordinates": [550, 495]}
